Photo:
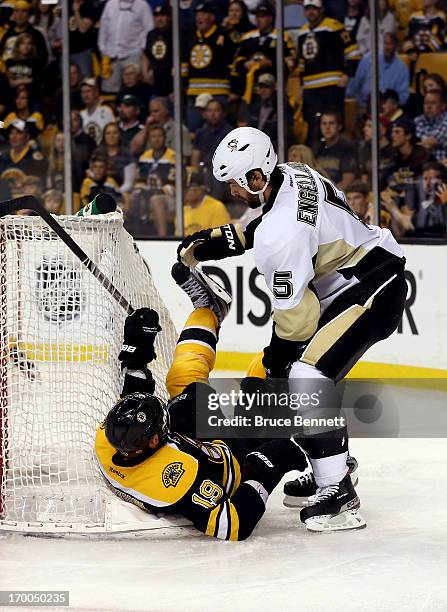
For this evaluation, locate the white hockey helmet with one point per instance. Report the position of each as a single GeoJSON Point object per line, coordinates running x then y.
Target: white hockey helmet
{"type": "Point", "coordinates": [242, 150]}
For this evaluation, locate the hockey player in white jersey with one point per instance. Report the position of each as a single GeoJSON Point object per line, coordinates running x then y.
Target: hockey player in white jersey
{"type": "Point", "coordinates": [338, 287]}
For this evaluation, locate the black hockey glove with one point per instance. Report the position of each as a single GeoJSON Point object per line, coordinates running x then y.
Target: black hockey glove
{"type": "Point", "coordinates": [279, 356]}
{"type": "Point", "coordinates": [217, 243]}
{"type": "Point", "coordinates": [140, 330]}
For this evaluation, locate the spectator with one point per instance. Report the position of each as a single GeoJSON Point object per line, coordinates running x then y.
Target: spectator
{"type": "Point", "coordinates": [98, 181]}
{"type": "Point", "coordinates": [23, 110]}
{"type": "Point", "coordinates": [354, 13]}
{"type": "Point", "coordinates": [327, 58]}
{"type": "Point", "coordinates": [56, 163]}
{"type": "Point", "coordinates": [54, 202]}
{"type": "Point", "coordinates": [409, 157]}
{"type": "Point", "coordinates": [158, 158]}
{"type": "Point", "coordinates": [386, 25]}
{"type": "Point", "coordinates": [20, 24]}
{"type": "Point", "coordinates": [157, 58]}
{"type": "Point", "coordinates": [20, 155]}
{"type": "Point", "coordinates": [160, 114]}
{"type": "Point", "coordinates": [82, 146]}
{"type": "Point", "coordinates": [431, 126]}
{"type": "Point", "coordinates": [357, 195]}
{"type": "Point", "coordinates": [336, 155]}
{"type": "Point", "coordinates": [133, 86]}
{"type": "Point", "coordinates": [209, 136]}
{"type": "Point", "coordinates": [95, 115]}
{"type": "Point", "coordinates": [304, 155]}
{"type": "Point", "coordinates": [257, 52]}
{"type": "Point", "coordinates": [43, 17]}
{"type": "Point", "coordinates": [150, 210]}
{"type": "Point", "coordinates": [24, 67]}
{"type": "Point", "coordinates": [129, 112]}
{"type": "Point", "coordinates": [434, 83]}
{"type": "Point", "coordinates": [201, 211]}
{"type": "Point", "coordinates": [122, 35]}
{"type": "Point", "coordinates": [390, 108]}
{"type": "Point", "coordinates": [426, 29]}
{"type": "Point", "coordinates": [121, 166]}
{"type": "Point", "coordinates": [426, 203]}
{"type": "Point", "coordinates": [236, 23]}
{"type": "Point", "coordinates": [32, 186]}
{"type": "Point", "coordinates": [75, 87]}
{"type": "Point", "coordinates": [206, 62]}
{"type": "Point", "coordinates": [201, 103]}
{"type": "Point", "coordinates": [82, 33]}
{"type": "Point", "coordinates": [262, 112]}
{"type": "Point", "coordinates": [393, 74]}
{"type": "Point", "coordinates": [386, 152]}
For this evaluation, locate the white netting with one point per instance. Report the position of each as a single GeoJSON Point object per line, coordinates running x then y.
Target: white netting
{"type": "Point", "coordinates": [60, 334]}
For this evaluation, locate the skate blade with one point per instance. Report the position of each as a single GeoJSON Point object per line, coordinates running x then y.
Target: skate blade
{"type": "Point", "coordinates": [295, 502]}
{"type": "Point", "coordinates": [291, 501]}
{"type": "Point", "coordinates": [215, 287]}
{"type": "Point", "coordinates": [350, 519]}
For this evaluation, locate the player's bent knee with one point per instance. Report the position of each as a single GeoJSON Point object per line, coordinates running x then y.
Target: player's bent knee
{"type": "Point", "coordinates": [186, 369]}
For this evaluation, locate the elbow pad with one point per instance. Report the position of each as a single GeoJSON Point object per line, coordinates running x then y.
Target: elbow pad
{"type": "Point", "coordinates": [225, 241]}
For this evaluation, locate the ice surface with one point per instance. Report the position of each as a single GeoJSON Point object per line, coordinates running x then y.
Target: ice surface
{"type": "Point", "coordinates": [399, 562]}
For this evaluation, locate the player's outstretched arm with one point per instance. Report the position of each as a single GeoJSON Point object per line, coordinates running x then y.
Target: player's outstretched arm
{"type": "Point", "coordinates": [214, 243]}
{"type": "Point", "coordinates": [137, 351]}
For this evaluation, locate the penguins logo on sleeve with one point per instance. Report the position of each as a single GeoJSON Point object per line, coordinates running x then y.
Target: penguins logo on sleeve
{"type": "Point", "coordinates": [172, 474]}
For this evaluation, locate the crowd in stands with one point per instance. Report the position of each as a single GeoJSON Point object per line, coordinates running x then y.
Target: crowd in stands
{"type": "Point", "coordinates": [121, 95]}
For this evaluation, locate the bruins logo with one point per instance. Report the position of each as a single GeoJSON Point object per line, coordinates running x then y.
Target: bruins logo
{"type": "Point", "coordinates": [172, 474]}
{"type": "Point", "coordinates": [201, 56]}
{"type": "Point", "coordinates": [310, 47]}
{"type": "Point", "coordinates": [159, 49]}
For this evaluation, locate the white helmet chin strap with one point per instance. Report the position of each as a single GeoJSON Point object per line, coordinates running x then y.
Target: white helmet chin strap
{"type": "Point", "coordinates": [259, 193]}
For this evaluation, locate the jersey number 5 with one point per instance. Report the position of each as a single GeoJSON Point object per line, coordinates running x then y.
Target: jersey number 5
{"type": "Point", "coordinates": [282, 285]}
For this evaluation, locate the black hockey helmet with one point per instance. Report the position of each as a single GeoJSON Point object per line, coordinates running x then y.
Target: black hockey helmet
{"type": "Point", "coordinates": [134, 420]}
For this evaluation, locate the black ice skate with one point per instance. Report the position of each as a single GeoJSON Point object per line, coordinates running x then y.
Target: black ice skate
{"type": "Point", "coordinates": [202, 290]}
{"type": "Point", "coordinates": [301, 491]}
{"type": "Point", "coordinates": [334, 508]}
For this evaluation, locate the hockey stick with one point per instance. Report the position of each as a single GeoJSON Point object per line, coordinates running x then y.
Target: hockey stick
{"type": "Point", "coordinates": [10, 207]}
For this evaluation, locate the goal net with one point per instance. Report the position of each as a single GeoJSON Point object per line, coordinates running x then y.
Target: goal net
{"type": "Point", "coordinates": [60, 335]}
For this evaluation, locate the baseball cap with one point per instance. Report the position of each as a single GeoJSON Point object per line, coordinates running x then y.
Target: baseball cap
{"type": "Point", "coordinates": [195, 179]}
{"type": "Point", "coordinates": [89, 82]}
{"type": "Point", "coordinates": [264, 8]}
{"type": "Point", "coordinates": [19, 125]}
{"type": "Point", "coordinates": [22, 4]}
{"type": "Point", "coordinates": [267, 79]}
{"type": "Point", "coordinates": [163, 9]}
{"type": "Point", "coordinates": [129, 100]}
{"type": "Point", "coordinates": [317, 3]}
{"type": "Point", "coordinates": [202, 100]}
{"type": "Point", "coordinates": [406, 123]}
{"type": "Point", "coordinates": [206, 7]}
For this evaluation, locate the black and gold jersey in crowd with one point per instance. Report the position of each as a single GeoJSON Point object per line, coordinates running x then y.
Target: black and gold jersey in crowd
{"type": "Point", "coordinates": [256, 46]}
{"type": "Point", "coordinates": [428, 31]}
{"type": "Point", "coordinates": [207, 63]}
{"type": "Point", "coordinates": [28, 160]}
{"type": "Point", "coordinates": [325, 53]}
{"type": "Point", "coordinates": [184, 476]}
{"type": "Point", "coordinates": [158, 51]}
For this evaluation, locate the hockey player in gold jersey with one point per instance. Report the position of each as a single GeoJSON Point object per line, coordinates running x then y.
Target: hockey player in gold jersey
{"type": "Point", "coordinates": [222, 488]}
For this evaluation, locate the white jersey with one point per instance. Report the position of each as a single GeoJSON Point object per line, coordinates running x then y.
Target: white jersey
{"type": "Point", "coordinates": [95, 122]}
{"type": "Point", "coordinates": [304, 240]}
